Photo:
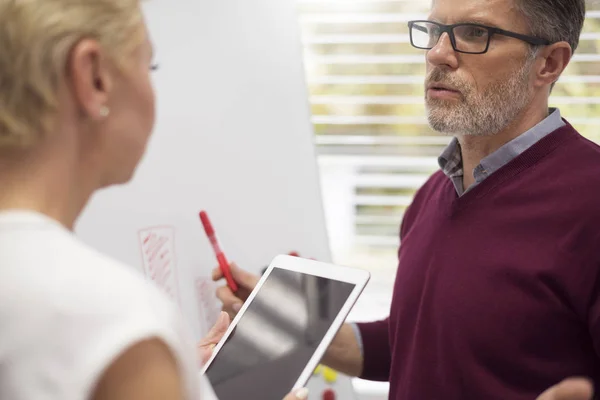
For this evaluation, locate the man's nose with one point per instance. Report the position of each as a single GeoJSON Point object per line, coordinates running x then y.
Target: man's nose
{"type": "Point", "coordinates": [443, 53]}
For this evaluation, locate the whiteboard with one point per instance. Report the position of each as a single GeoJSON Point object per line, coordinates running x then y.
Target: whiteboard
{"type": "Point", "coordinates": [233, 137]}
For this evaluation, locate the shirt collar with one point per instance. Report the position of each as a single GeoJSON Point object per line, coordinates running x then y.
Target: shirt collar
{"type": "Point", "coordinates": [450, 161]}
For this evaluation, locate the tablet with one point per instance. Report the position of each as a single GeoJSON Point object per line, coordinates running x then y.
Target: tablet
{"type": "Point", "coordinates": [282, 331]}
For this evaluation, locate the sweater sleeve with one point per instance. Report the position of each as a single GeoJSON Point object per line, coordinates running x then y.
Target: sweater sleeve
{"type": "Point", "coordinates": [594, 315]}
{"type": "Point", "coordinates": [373, 337]}
{"type": "Point", "coordinates": [376, 350]}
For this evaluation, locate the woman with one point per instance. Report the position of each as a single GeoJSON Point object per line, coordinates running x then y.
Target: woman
{"type": "Point", "coordinates": [76, 112]}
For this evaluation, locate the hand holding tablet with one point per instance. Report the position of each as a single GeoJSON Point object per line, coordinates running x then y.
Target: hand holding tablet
{"type": "Point", "coordinates": [205, 350]}
{"type": "Point", "coordinates": [283, 329]}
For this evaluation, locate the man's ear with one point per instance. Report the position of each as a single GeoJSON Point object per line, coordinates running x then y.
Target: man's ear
{"type": "Point", "coordinates": [555, 58]}
{"type": "Point", "coordinates": [90, 77]}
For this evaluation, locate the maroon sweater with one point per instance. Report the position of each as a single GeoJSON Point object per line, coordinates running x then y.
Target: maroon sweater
{"type": "Point", "coordinates": [497, 294]}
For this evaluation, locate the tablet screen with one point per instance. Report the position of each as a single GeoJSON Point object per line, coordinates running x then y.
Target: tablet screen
{"type": "Point", "coordinates": [277, 336]}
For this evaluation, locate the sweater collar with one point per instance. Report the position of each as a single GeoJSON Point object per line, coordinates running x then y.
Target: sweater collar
{"type": "Point", "coordinates": [450, 161]}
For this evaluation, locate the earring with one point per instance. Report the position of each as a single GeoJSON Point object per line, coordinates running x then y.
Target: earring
{"type": "Point", "coordinates": [104, 111]}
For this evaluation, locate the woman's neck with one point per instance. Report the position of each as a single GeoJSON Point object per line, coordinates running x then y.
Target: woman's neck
{"type": "Point", "coordinates": [48, 185]}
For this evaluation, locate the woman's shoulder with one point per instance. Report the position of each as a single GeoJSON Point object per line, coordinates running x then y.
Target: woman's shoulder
{"type": "Point", "coordinates": [40, 253]}
{"type": "Point", "coordinates": [42, 259]}
{"type": "Point", "coordinates": [74, 310]}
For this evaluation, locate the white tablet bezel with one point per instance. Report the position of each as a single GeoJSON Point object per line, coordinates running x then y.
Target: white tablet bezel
{"type": "Point", "coordinates": [356, 276]}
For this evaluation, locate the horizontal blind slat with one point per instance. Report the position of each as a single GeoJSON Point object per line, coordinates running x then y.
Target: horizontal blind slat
{"type": "Point", "coordinates": [399, 100]}
{"type": "Point", "coordinates": [406, 120]}
{"type": "Point", "coordinates": [375, 18]}
{"type": "Point", "coordinates": [413, 79]}
{"type": "Point", "coordinates": [349, 140]}
{"type": "Point", "coordinates": [401, 59]}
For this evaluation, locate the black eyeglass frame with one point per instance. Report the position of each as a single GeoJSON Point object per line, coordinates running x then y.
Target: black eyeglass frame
{"type": "Point", "coordinates": [449, 29]}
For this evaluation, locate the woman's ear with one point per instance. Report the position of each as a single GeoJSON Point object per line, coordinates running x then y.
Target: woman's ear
{"type": "Point", "coordinates": [90, 78]}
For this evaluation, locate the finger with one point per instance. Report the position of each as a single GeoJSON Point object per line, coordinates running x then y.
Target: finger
{"type": "Point", "coordinates": [217, 274]}
{"type": "Point", "coordinates": [214, 335]}
{"type": "Point", "coordinates": [204, 355]}
{"type": "Point", "coordinates": [569, 389]}
{"type": "Point", "coordinates": [226, 296]}
{"type": "Point", "coordinates": [216, 332]}
{"type": "Point", "coordinates": [219, 328]}
{"type": "Point", "coordinates": [301, 394]}
{"type": "Point", "coordinates": [243, 277]}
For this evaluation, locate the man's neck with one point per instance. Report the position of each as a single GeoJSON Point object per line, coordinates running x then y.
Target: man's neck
{"type": "Point", "coordinates": [476, 148]}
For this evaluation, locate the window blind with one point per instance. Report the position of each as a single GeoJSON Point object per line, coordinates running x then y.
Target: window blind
{"type": "Point", "coordinates": [366, 95]}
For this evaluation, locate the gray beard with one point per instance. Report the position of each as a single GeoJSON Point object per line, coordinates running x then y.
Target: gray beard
{"type": "Point", "coordinates": [482, 114]}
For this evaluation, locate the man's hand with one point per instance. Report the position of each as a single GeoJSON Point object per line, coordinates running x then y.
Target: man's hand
{"type": "Point", "coordinates": [232, 302]}
{"type": "Point", "coordinates": [569, 389]}
{"type": "Point", "coordinates": [206, 345]}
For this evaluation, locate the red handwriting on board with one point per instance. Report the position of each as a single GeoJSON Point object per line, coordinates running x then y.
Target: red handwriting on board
{"type": "Point", "coordinates": [158, 258]}
{"type": "Point", "coordinates": [207, 305]}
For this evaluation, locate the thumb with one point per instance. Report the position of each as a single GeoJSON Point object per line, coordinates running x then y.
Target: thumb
{"type": "Point", "coordinates": [243, 277]}
{"type": "Point", "coordinates": [220, 326]}
{"type": "Point", "coordinates": [569, 389]}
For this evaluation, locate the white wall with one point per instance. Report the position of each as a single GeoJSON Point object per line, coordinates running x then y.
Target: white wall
{"type": "Point", "coordinates": [233, 137]}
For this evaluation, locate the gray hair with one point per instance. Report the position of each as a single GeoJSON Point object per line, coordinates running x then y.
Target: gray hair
{"type": "Point", "coordinates": [554, 20]}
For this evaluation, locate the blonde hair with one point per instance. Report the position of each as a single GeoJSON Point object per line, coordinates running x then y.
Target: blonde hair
{"type": "Point", "coordinates": [36, 37]}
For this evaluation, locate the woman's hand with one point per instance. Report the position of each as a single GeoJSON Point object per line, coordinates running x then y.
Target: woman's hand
{"type": "Point", "coordinates": [246, 281]}
{"type": "Point", "coordinates": [208, 343]}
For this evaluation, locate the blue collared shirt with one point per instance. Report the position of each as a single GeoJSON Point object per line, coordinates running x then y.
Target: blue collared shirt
{"type": "Point", "coordinates": [450, 161]}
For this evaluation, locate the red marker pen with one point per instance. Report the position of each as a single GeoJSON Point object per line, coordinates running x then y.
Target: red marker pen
{"type": "Point", "coordinates": [222, 260]}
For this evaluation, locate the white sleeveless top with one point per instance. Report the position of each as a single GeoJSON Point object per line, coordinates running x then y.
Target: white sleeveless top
{"type": "Point", "coordinates": [67, 312]}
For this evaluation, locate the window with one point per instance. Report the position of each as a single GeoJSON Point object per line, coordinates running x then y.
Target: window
{"type": "Point", "coordinates": [375, 147]}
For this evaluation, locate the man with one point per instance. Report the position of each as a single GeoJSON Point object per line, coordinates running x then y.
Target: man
{"type": "Point", "coordinates": [497, 289]}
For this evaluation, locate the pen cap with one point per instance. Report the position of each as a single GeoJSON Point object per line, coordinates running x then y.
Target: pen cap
{"type": "Point", "coordinates": [208, 228]}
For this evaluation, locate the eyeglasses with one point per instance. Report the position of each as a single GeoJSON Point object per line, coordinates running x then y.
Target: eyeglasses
{"type": "Point", "coordinates": [465, 38]}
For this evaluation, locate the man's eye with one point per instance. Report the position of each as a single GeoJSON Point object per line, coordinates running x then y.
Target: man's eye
{"type": "Point", "coordinates": [475, 32]}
